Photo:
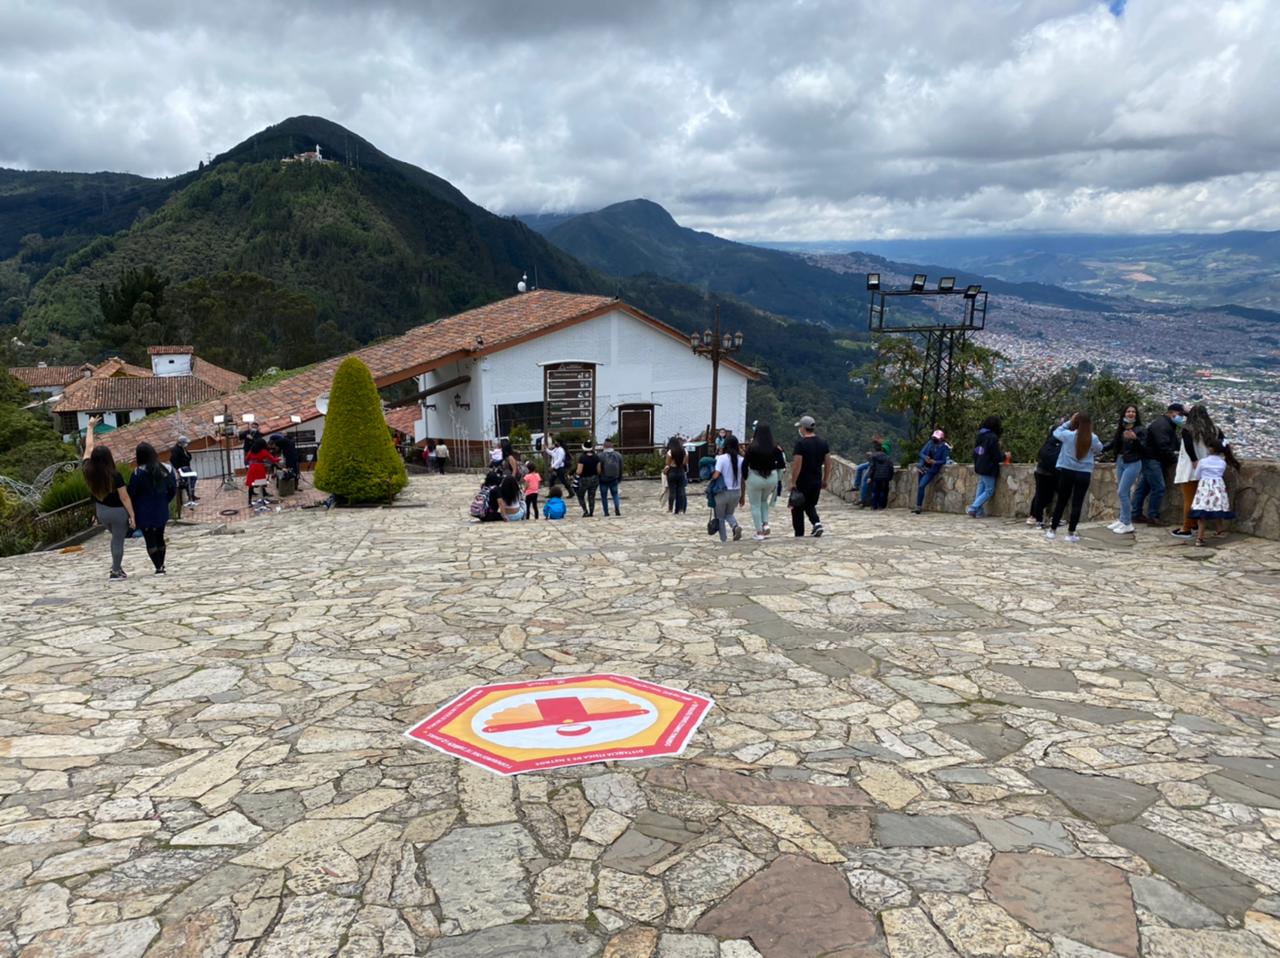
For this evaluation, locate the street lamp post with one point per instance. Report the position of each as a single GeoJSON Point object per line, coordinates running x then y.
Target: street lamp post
{"type": "Point", "coordinates": [716, 346]}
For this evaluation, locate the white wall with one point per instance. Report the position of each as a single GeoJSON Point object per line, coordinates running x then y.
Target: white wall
{"type": "Point", "coordinates": [634, 363]}
{"type": "Point", "coordinates": [109, 419]}
{"type": "Point", "coordinates": [171, 364]}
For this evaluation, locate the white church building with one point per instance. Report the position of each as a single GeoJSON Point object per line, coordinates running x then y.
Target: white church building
{"type": "Point", "coordinates": [556, 362]}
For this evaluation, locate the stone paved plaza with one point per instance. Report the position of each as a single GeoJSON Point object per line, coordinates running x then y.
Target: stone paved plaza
{"type": "Point", "coordinates": [931, 737]}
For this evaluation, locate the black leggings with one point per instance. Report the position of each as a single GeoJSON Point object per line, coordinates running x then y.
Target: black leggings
{"type": "Point", "coordinates": [154, 538]}
{"type": "Point", "coordinates": [531, 506]}
{"type": "Point", "coordinates": [1046, 492]}
{"type": "Point", "coordinates": [1073, 485]}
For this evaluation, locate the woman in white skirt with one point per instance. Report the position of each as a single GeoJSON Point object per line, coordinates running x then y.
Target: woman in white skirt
{"type": "Point", "coordinates": [1211, 501]}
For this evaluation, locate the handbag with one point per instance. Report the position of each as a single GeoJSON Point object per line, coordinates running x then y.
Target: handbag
{"type": "Point", "coordinates": [795, 500]}
{"type": "Point", "coordinates": [713, 526]}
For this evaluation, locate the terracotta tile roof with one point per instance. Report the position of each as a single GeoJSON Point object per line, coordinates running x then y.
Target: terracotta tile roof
{"type": "Point", "coordinates": [170, 350]}
{"type": "Point", "coordinates": [115, 366]}
{"type": "Point", "coordinates": [402, 418]}
{"type": "Point", "coordinates": [36, 376]}
{"type": "Point", "coordinates": [111, 393]}
{"type": "Point", "coordinates": [476, 332]}
{"type": "Point", "coordinates": [223, 380]}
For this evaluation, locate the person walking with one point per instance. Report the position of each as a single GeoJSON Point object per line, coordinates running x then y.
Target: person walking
{"type": "Point", "coordinates": [810, 471]}
{"type": "Point", "coordinates": [180, 459]}
{"type": "Point", "coordinates": [1046, 480]}
{"type": "Point", "coordinates": [442, 456]}
{"type": "Point", "coordinates": [151, 488]}
{"type": "Point", "coordinates": [588, 475]}
{"type": "Point", "coordinates": [933, 456]}
{"type": "Point", "coordinates": [987, 456]}
{"type": "Point", "coordinates": [677, 469]}
{"type": "Point", "coordinates": [1127, 445]}
{"type": "Point", "coordinates": [429, 456]}
{"type": "Point", "coordinates": [610, 477]}
{"type": "Point", "coordinates": [111, 502]}
{"type": "Point", "coordinates": [1194, 446]}
{"type": "Point", "coordinates": [732, 493]}
{"type": "Point", "coordinates": [532, 484]}
{"type": "Point", "coordinates": [1211, 500]}
{"type": "Point", "coordinates": [1159, 454]}
{"type": "Point", "coordinates": [1075, 471]}
{"type": "Point", "coordinates": [764, 464]}
{"type": "Point", "coordinates": [558, 456]}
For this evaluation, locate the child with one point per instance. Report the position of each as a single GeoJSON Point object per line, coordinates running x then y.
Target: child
{"type": "Point", "coordinates": [532, 483]}
{"type": "Point", "coordinates": [1211, 500]}
{"type": "Point", "coordinates": [881, 476]}
{"type": "Point", "coordinates": [555, 508]}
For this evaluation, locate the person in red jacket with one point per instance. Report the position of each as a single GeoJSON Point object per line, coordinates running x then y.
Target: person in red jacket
{"type": "Point", "coordinates": [256, 460]}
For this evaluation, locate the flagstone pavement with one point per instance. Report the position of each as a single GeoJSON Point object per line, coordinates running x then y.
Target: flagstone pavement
{"type": "Point", "coordinates": [931, 737]}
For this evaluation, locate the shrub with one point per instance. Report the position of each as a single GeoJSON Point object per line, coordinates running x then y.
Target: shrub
{"type": "Point", "coordinates": [358, 460]}
{"type": "Point", "coordinates": [643, 464]}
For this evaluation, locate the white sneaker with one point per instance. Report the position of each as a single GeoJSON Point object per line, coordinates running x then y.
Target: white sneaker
{"type": "Point", "coordinates": [1072, 537]}
{"type": "Point", "coordinates": [1123, 530]}
{"type": "Point", "coordinates": [1031, 521]}
{"type": "Point", "coordinates": [1050, 534]}
{"type": "Point", "coordinates": [1113, 526]}
{"type": "Point", "coordinates": [759, 537]}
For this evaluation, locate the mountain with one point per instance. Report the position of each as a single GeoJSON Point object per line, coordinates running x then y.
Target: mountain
{"type": "Point", "coordinates": [639, 236]}
{"type": "Point", "coordinates": [1198, 269]}
{"type": "Point", "coordinates": [375, 244]}
{"type": "Point", "coordinates": [261, 263]}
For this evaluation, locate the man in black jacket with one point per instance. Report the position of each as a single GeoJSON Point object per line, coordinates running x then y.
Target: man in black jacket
{"type": "Point", "coordinates": [180, 460]}
{"type": "Point", "coordinates": [1159, 452]}
{"type": "Point", "coordinates": [987, 457]}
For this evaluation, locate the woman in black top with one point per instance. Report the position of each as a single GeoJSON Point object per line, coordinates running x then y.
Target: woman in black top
{"type": "Point", "coordinates": [111, 499]}
{"type": "Point", "coordinates": [677, 477]}
{"type": "Point", "coordinates": [588, 473]}
{"type": "Point", "coordinates": [1127, 444]}
{"type": "Point", "coordinates": [764, 462]}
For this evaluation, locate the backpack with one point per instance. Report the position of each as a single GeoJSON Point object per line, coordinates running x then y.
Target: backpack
{"type": "Point", "coordinates": [612, 465]}
{"type": "Point", "coordinates": [881, 467]}
{"type": "Point", "coordinates": [480, 503]}
{"type": "Point", "coordinates": [706, 466]}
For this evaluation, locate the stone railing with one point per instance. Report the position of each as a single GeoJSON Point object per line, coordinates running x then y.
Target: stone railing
{"type": "Point", "coordinates": [1254, 491]}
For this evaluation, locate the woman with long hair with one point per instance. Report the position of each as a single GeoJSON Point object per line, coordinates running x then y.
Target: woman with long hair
{"type": "Point", "coordinates": [111, 500]}
{"type": "Point", "coordinates": [677, 477]}
{"type": "Point", "coordinates": [764, 462]}
{"type": "Point", "coordinates": [1127, 444]}
{"type": "Point", "coordinates": [152, 487]}
{"type": "Point", "coordinates": [1075, 470]}
{"type": "Point", "coordinates": [256, 460]}
{"type": "Point", "coordinates": [1197, 434]}
{"type": "Point", "coordinates": [729, 467]}
{"type": "Point", "coordinates": [511, 502]}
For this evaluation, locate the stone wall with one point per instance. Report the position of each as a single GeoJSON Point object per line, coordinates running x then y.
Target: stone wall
{"type": "Point", "coordinates": [1254, 491]}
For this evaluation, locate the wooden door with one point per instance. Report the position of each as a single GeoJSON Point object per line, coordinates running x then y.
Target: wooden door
{"type": "Point", "coordinates": [635, 428]}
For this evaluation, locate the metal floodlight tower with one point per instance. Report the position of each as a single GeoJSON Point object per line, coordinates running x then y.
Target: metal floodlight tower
{"type": "Point", "coordinates": [941, 377]}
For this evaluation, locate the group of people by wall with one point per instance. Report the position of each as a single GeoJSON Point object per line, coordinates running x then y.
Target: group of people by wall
{"type": "Point", "coordinates": [1180, 447]}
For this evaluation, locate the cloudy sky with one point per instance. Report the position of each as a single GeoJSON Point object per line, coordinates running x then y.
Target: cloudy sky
{"type": "Point", "coordinates": [755, 119]}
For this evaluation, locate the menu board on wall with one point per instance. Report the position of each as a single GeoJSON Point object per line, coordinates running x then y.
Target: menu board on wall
{"type": "Point", "coordinates": [569, 391]}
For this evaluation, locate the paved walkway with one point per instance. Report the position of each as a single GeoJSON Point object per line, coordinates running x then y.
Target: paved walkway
{"type": "Point", "coordinates": [931, 737]}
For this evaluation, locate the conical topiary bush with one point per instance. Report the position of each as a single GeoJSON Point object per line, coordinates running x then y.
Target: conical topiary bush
{"type": "Point", "coordinates": [358, 461]}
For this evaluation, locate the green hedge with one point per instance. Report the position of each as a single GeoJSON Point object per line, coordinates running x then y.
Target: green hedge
{"type": "Point", "coordinates": [358, 460]}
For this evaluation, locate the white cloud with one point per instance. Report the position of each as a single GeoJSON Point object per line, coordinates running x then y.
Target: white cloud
{"type": "Point", "coordinates": [756, 119]}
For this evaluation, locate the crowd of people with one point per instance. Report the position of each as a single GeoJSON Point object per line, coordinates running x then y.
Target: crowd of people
{"type": "Point", "coordinates": [735, 476]}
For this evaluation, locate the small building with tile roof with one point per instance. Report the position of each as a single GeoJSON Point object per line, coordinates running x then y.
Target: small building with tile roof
{"type": "Point", "coordinates": [546, 359]}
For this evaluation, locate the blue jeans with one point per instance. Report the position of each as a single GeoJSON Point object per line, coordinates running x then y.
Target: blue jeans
{"type": "Point", "coordinates": [862, 482]}
{"type": "Point", "coordinates": [925, 478]}
{"type": "Point", "coordinates": [609, 487]}
{"type": "Point", "coordinates": [1126, 475]}
{"type": "Point", "coordinates": [1152, 485]}
{"type": "Point", "coordinates": [986, 489]}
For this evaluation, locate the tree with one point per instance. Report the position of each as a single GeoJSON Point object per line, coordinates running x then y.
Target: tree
{"type": "Point", "coordinates": [358, 460]}
{"type": "Point", "coordinates": [132, 313]}
{"type": "Point", "coordinates": [28, 441]}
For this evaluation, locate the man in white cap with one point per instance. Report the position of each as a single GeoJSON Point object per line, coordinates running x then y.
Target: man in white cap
{"type": "Point", "coordinates": [935, 454]}
{"type": "Point", "coordinates": [810, 470]}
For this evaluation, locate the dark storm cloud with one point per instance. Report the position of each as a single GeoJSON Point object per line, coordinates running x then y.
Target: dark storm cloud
{"type": "Point", "coordinates": [807, 119]}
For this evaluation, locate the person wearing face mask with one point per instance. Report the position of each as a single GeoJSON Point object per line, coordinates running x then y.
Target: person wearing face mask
{"type": "Point", "coordinates": [1127, 445]}
{"type": "Point", "coordinates": [1159, 454]}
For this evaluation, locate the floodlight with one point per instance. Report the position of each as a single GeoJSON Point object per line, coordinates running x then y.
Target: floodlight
{"type": "Point", "coordinates": [917, 282]}
{"type": "Point", "coordinates": [971, 292]}
{"type": "Point", "coordinates": [295, 419]}
{"type": "Point", "coordinates": [248, 417]}
{"type": "Point", "coordinates": [873, 281]}
{"type": "Point", "coordinates": [947, 284]}
{"type": "Point", "coordinates": [219, 420]}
